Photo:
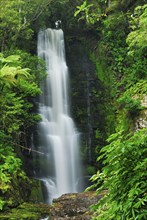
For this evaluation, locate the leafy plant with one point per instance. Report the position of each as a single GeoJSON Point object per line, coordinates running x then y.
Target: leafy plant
{"type": "Point", "coordinates": [124, 176]}
{"type": "Point", "coordinates": [11, 74]}
{"type": "Point", "coordinates": [17, 17]}
{"type": "Point", "coordinates": [11, 173]}
{"type": "Point", "coordinates": [16, 117]}
{"type": "Point", "coordinates": [122, 46]}
{"type": "Point", "coordinates": [2, 203]}
{"type": "Point", "coordinates": [84, 8]}
{"type": "Point", "coordinates": [130, 105]}
{"type": "Point", "coordinates": [137, 37]}
{"type": "Point", "coordinates": [92, 13]}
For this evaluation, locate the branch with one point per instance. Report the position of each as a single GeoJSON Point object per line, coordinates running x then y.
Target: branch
{"type": "Point", "coordinates": [28, 149]}
{"type": "Point", "coordinates": [39, 10]}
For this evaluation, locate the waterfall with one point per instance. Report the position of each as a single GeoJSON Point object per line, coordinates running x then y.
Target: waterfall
{"type": "Point", "coordinates": [57, 137]}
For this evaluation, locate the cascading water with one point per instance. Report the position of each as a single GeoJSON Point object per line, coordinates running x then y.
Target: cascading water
{"type": "Point", "coordinates": [59, 167]}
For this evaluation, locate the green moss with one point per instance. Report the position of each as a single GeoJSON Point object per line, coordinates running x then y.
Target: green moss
{"type": "Point", "coordinates": [100, 65]}
{"type": "Point", "coordinates": [36, 192]}
{"type": "Point", "coordinates": [91, 170]}
{"type": "Point", "coordinates": [27, 211]}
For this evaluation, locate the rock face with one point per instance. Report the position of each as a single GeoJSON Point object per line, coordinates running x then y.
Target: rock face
{"type": "Point", "coordinates": [83, 81]}
{"type": "Point", "coordinates": [74, 206]}
{"type": "Point", "coordinates": [141, 120]}
{"type": "Point", "coordinates": [69, 206]}
{"type": "Point", "coordinates": [90, 96]}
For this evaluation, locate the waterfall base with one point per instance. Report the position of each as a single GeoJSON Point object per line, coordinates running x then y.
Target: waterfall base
{"type": "Point", "coordinates": [68, 206]}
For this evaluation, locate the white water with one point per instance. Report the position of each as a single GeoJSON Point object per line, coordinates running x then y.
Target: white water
{"type": "Point", "coordinates": [60, 168]}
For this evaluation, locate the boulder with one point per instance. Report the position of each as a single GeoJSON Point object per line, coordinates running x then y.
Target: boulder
{"type": "Point", "coordinates": [74, 206]}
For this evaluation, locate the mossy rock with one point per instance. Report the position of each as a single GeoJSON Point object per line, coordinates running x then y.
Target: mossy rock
{"type": "Point", "coordinates": [36, 194]}
{"type": "Point", "coordinates": [28, 211]}
{"type": "Point", "coordinates": [74, 206]}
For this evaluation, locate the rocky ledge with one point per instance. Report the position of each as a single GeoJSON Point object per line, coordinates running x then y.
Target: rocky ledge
{"type": "Point", "coordinates": [69, 206]}
{"type": "Point", "coordinates": [74, 206]}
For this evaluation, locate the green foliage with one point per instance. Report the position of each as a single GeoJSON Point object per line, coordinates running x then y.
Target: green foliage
{"type": "Point", "coordinates": [91, 170]}
{"type": "Point", "coordinates": [85, 8]}
{"type": "Point", "coordinates": [17, 20]}
{"type": "Point", "coordinates": [35, 64]}
{"type": "Point", "coordinates": [2, 203]}
{"type": "Point", "coordinates": [12, 17]}
{"type": "Point", "coordinates": [124, 175]}
{"type": "Point", "coordinates": [120, 60]}
{"type": "Point", "coordinates": [11, 173]}
{"type": "Point", "coordinates": [92, 13]}
{"type": "Point", "coordinates": [138, 89]}
{"type": "Point", "coordinates": [11, 75]}
{"type": "Point", "coordinates": [132, 106]}
{"type": "Point", "coordinates": [9, 165]}
{"type": "Point", "coordinates": [129, 105]}
{"type": "Point", "coordinates": [11, 110]}
{"type": "Point", "coordinates": [17, 88]}
{"type": "Point", "coordinates": [137, 37]}
{"type": "Point", "coordinates": [137, 46]}
{"type": "Point", "coordinates": [15, 105]}
{"type": "Point", "coordinates": [27, 211]}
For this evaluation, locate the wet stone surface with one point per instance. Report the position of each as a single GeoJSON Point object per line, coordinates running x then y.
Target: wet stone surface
{"type": "Point", "coordinates": [74, 206]}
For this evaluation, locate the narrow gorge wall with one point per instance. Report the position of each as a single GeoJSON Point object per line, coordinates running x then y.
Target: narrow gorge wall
{"type": "Point", "coordinates": [88, 94]}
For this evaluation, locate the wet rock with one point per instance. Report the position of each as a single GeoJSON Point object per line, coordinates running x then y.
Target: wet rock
{"type": "Point", "coordinates": [74, 206]}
